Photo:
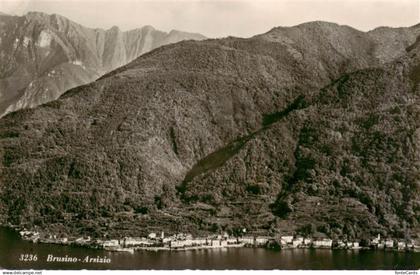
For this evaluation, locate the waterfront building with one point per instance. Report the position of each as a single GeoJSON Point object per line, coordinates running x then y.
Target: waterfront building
{"type": "Point", "coordinates": [297, 242]}
{"type": "Point", "coordinates": [188, 242]}
{"type": "Point", "coordinates": [232, 240]}
{"type": "Point", "coordinates": [322, 243]}
{"type": "Point", "coordinates": [110, 244]}
{"type": "Point", "coordinates": [401, 245]}
{"type": "Point", "coordinates": [299, 239]}
{"type": "Point", "coordinates": [410, 244]}
{"type": "Point", "coordinates": [30, 235]}
{"type": "Point", "coordinates": [82, 240]}
{"type": "Point", "coordinates": [261, 240]}
{"type": "Point", "coordinates": [389, 243]}
{"type": "Point", "coordinates": [416, 247]}
{"type": "Point", "coordinates": [199, 241]}
{"type": "Point", "coordinates": [152, 235]}
{"type": "Point", "coordinates": [215, 243]}
{"type": "Point", "coordinates": [166, 240]}
{"type": "Point", "coordinates": [177, 244]}
{"type": "Point", "coordinates": [35, 238]}
{"type": "Point", "coordinates": [246, 240]}
{"type": "Point", "coordinates": [286, 239]}
{"type": "Point", "coordinates": [377, 240]}
{"type": "Point", "coordinates": [129, 242]}
{"type": "Point", "coordinates": [341, 244]}
{"type": "Point", "coordinates": [307, 241]}
{"type": "Point", "coordinates": [25, 233]}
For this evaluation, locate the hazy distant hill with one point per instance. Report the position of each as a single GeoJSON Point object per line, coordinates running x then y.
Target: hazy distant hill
{"type": "Point", "coordinates": [41, 55]}
{"type": "Point", "coordinates": [313, 128]}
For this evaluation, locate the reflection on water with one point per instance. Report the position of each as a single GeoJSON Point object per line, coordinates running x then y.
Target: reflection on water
{"type": "Point", "coordinates": [11, 247]}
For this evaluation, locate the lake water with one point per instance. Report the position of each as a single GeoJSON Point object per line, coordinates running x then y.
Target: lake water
{"type": "Point", "coordinates": [11, 247]}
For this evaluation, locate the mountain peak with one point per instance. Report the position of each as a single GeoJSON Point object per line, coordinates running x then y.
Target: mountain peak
{"type": "Point", "coordinates": [178, 33]}
{"type": "Point", "coordinates": [114, 29]}
{"type": "Point", "coordinates": [47, 19]}
{"type": "Point", "coordinates": [36, 14]}
{"type": "Point", "coordinates": [148, 28]}
{"type": "Point", "coordinates": [174, 31]}
{"type": "Point", "coordinates": [320, 25]}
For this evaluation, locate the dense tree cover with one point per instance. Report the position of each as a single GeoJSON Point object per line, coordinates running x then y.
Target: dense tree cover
{"type": "Point", "coordinates": [317, 136]}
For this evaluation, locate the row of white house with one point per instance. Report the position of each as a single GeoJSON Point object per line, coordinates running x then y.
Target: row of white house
{"type": "Point", "coordinates": [182, 240]}
{"type": "Point", "coordinates": [295, 242]}
{"type": "Point", "coordinates": [391, 244]}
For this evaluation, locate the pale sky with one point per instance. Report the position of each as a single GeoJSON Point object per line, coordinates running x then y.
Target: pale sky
{"type": "Point", "coordinates": [219, 18]}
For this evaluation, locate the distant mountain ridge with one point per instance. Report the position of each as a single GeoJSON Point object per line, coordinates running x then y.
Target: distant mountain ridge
{"type": "Point", "coordinates": [42, 56]}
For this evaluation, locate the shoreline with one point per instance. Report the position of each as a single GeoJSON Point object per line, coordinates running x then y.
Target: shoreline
{"type": "Point", "coordinates": [128, 244]}
{"type": "Point", "coordinates": [159, 248]}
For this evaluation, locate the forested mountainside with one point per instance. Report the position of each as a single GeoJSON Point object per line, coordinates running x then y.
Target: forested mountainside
{"type": "Point", "coordinates": [309, 129]}
{"type": "Point", "coordinates": [42, 56]}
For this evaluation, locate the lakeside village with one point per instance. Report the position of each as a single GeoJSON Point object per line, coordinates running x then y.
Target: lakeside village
{"type": "Point", "coordinates": [182, 241]}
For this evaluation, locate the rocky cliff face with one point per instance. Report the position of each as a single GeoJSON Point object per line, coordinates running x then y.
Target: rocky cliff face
{"type": "Point", "coordinates": [307, 129]}
{"type": "Point", "coordinates": [42, 55]}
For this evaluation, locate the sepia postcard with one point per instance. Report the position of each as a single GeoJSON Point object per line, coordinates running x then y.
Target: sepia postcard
{"type": "Point", "coordinates": [210, 135]}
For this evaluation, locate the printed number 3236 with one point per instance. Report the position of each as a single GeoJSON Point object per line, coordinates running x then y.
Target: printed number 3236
{"type": "Point", "coordinates": [28, 258]}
